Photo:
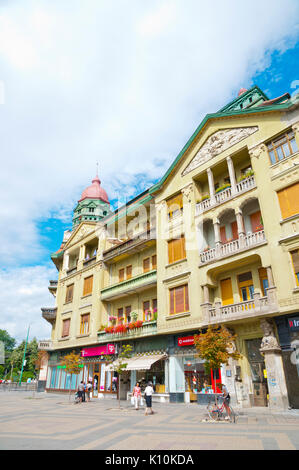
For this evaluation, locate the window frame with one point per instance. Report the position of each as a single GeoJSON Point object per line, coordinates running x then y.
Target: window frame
{"type": "Point", "coordinates": [85, 285]}
{"type": "Point", "coordinates": [82, 324]}
{"type": "Point", "coordinates": [68, 298]}
{"type": "Point", "coordinates": [283, 139]}
{"type": "Point", "coordinates": [185, 302]}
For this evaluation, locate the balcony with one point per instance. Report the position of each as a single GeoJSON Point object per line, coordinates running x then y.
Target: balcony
{"type": "Point", "coordinates": [250, 240]}
{"type": "Point", "coordinates": [53, 287]}
{"type": "Point", "coordinates": [45, 345]}
{"type": "Point", "coordinates": [256, 307]}
{"type": "Point", "coordinates": [225, 195]}
{"type": "Point", "coordinates": [49, 314]}
{"type": "Point", "coordinates": [147, 329]}
{"type": "Point", "coordinates": [134, 285]}
{"type": "Point", "coordinates": [133, 245]}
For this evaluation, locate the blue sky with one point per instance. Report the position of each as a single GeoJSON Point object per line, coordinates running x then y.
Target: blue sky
{"type": "Point", "coordinates": [124, 87]}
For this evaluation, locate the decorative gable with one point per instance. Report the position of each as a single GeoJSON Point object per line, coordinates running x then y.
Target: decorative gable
{"type": "Point", "coordinates": [217, 143]}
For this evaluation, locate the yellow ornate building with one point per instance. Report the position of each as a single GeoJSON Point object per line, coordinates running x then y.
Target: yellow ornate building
{"type": "Point", "coordinates": [215, 241]}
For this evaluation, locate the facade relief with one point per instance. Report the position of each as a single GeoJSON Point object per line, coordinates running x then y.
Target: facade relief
{"type": "Point", "coordinates": [217, 143]}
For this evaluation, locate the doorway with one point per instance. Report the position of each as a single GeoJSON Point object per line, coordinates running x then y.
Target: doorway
{"type": "Point", "coordinates": [258, 372]}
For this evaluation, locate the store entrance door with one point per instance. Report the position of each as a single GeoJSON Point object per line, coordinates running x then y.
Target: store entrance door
{"type": "Point", "coordinates": [257, 367]}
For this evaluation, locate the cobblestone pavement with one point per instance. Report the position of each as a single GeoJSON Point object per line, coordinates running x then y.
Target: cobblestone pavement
{"type": "Point", "coordinates": [49, 421]}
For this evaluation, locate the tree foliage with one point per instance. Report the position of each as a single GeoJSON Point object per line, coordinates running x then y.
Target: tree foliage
{"type": "Point", "coordinates": [216, 346]}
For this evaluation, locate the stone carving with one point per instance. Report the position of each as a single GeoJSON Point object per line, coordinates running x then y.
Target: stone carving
{"type": "Point", "coordinates": [257, 151]}
{"type": "Point", "coordinates": [295, 127]}
{"type": "Point", "coordinates": [217, 143]}
{"type": "Point", "coordinates": [187, 192]}
{"type": "Point", "coordinates": [269, 341]}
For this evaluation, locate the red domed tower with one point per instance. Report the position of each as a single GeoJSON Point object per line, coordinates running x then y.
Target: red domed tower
{"type": "Point", "coordinates": [93, 205]}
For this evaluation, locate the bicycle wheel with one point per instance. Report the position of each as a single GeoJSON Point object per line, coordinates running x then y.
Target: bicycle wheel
{"type": "Point", "coordinates": [213, 412]}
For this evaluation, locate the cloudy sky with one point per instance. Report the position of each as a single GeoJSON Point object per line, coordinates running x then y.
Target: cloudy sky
{"type": "Point", "coordinates": [121, 82]}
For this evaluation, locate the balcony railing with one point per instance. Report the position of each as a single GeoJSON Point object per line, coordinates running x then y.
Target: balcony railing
{"type": "Point", "coordinates": [46, 345]}
{"type": "Point", "coordinates": [53, 287]}
{"type": "Point", "coordinates": [131, 245]}
{"type": "Point", "coordinates": [225, 195]}
{"type": "Point", "coordinates": [147, 329]}
{"type": "Point", "coordinates": [227, 249]}
{"type": "Point", "coordinates": [255, 307]}
{"type": "Point", "coordinates": [49, 314]}
{"type": "Point", "coordinates": [135, 284]}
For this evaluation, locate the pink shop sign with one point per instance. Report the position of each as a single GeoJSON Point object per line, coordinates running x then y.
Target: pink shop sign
{"type": "Point", "coordinates": [98, 350]}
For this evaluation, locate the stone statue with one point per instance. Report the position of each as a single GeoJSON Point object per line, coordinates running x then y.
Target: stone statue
{"type": "Point", "coordinates": [269, 341]}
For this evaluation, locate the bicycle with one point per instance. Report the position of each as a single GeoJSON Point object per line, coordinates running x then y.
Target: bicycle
{"type": "Point", "coordinates": [218, 413]}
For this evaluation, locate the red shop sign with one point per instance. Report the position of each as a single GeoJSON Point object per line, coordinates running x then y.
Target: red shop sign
{"type": "Point", "coordinates": [98, 350]}
{"type": "Point", "coordinates": [186, 341]}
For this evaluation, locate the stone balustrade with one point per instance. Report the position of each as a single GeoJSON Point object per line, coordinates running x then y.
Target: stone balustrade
{"type": "Point", "coordinates": [134, 284]}
{"type": "Point", "coordinates": [46, 345]}
{"type": "Point", "coordinates": [147, 329]}
{"type": "Point", "coordinates": [49, 314]}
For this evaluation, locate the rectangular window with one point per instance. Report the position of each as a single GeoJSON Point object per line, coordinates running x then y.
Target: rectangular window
{"type": "Point", "coordinates": [84, 324]}
{"type": "Point", "coordinates": [295, 261]}
{"type": "Point", "coordinates": [87, 287]}
{"type": "Point", "coordinates": [69, 293]}
{"type": "Point", "coordinates": [175, 206]}
{"type": "Point", "coordinates": [146, 311]}
{"type": "Point", "coordinates": [120, 316]}
{"type": "Point", "coordinates": [179, 299]}
{"type": "Point", "coordinates": [246, 288]}
{"type": "Point", "coordinates": [256, 221]}
{"type": "Point", "coordinates": [121, 275]}
{"type": "Point", "coordinates": [66, 328]}
{"type": "Point", "coordinates": [226, 291]}
{"type": "Point", "coordinates": [146, 265]}
{"type": "Point", "coordinates": [282, 147]}
{"type": "Point", "coordinates": [129, 272]}
{"type": "Point", "coordinates": [289, 200]}
{"type": "Point", "coordinates": [154, 262]}
{"type": "Point", "coordinates": [176, 249]}
{"type": "Point", "coordinates": [263, 280]}
{"type": "Point", "coordinates": [128, 314]}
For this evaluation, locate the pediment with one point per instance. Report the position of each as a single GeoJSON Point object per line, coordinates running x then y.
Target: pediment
{"type": "Point", "coordinates": [81, 231]}
{"type": "Point", "coordinates": [217, 143]}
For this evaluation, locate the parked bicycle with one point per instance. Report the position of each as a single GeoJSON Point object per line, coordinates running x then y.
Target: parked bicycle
{"type": "Point", "coordinates": [218, 411]}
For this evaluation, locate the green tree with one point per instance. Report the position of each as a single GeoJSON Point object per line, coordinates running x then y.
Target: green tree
{"type": "Point", "coordinates": [120, 364]}
{"type": "Point", "coordinates": [9, 344]}
{"type": "Point", "coordinates": [71, 362]}
{"type": "Point", "coordinates": [215, 347]}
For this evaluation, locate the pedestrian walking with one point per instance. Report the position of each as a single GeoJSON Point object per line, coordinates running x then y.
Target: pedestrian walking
{"type": "Point", "coordinates": [226, 400]}
{"type": "Point", "coordinates": [84, 391]}
{"type": "Point", "coordinates": [88, 390]}
{"type": "Point", "coordinates": [137, 395]}
{"type": "Point", "coordinates": [80, 391]}
{"type": "Point", "coordinates": [148, 392]}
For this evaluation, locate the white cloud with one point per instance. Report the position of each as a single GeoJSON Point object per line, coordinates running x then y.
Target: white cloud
{"type": "Point", "coordinates": [23, 292]}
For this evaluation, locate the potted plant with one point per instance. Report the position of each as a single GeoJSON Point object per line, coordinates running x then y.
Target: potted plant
{"type": "Point", "coordinates": [223, 187]}
{"type": "Point", "coordinates": [155, 314]}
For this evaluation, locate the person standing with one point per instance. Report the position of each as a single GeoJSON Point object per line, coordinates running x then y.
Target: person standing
{"type": "Point", "coordinates": [88, 390]}
{"type": "Point", "coordinates": [148, 393]}
{"type": "Point", "coordinates": [137, 395]}
{"type": "Point", "coordinates": [80, 391]}
{"type": "Point", "coordinates": [226, 400]}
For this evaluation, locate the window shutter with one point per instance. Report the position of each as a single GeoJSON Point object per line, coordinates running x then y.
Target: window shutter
{"type": "Point", "coordinates": [65, 327]}
{"type": "Point", "coordinates": [295, 258]}
{"type": "Point", "coordinates": [146, 265]}
{"type": "Point", "coordinates": [186, 298]}
{"type": "Point", "coordinates": [154, 261]}
{"type": "Point", "coordinates": [121, 275]}
{"type": "Point", "coordinates": [222, 234]}
{"type": "Point", "coordinates": [87, 288]}
{"type": "Point", "coordinates": [69, 293]}
{"type": "Point", "coordinates": [129, 271]}
{"type": "Point", "coordinates": [170, 252]}
{"type": "Point", "coordinates": [179, 299]}
{"type": "Point", "coordinates": [171, 294]}
{"type": "Point", "coordinates": [255, 220]}
{"type": "Point", "coordinates": [234, 227]}
{"type": "Point", "coordinates": [289, 201]}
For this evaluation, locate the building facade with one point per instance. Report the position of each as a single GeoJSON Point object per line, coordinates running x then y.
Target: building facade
{"type": "Point", "coordinates": [215, 241]}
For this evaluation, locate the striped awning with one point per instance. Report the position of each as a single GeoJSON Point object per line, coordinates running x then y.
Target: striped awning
{"type": "Point", "coordinates": [138, 362]}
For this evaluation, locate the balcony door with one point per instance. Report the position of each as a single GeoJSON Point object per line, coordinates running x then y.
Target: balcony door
{"type": "Point", "coordinates": [246, 288]}
{"type": "Point", "coordinates": [226, 291]}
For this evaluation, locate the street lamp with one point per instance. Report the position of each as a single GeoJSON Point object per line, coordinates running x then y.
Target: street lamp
{"type": "Point", "coordinates": [24, 362]}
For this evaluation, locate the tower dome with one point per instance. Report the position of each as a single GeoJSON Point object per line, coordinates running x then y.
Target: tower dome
{"type": "Point", "coordinates": [95, 191]}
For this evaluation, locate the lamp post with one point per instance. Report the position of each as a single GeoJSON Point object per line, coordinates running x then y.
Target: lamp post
{"type": "Point", "coordinates": [24, 355]}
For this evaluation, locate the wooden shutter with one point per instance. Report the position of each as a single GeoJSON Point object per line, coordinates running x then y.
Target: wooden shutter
{"type": "Point", "coordinates": [222, 234]}
{"type": "Point", "coordinates": [154, 261]}
{"type": "Point", "coordinates": [120, 314]}
{"type": "Point", "coordinates": [179, 299]}
{"type": "Point", "coordinates": [170, 251]}
{"type": "Point", "coordinates": [234, 227]}
{"type": "Point", "coordinates": [174, 204]}
{"type": "Point", "coordinates": [65, 328]}
{"type": "Point", "coordinates": [146, 265]}
{"type": "Point", "coordinates": [129, 272]}
{"type": "Point", "coordinates": [295, 259]}
{"type": "Point", "coordinates": [87, 288]}
{"type": "Point", "coordinates": [176, 249]}
{"type": "Point", "coordinates": [84, 327]}
{"type": "Point", "coordinates": [121, 275]}
{"type": "Point", "coordinates": [171, 295]}
{"type": "Point", "coordinates": [226, 291]}
{"type": "Point", "coordinates": [289, 200]}
{"type": "Point", "coordinates": [154, 304]}
{"type": "Point", "coordinates": [255, 220]}
{"type": "Point", "coordinates": [69, 293]}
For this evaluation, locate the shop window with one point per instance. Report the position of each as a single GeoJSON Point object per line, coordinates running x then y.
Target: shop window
{"type": "Point", "coordinates": [175, 206]}
{"type": "Point", "coordinates": [179, 299]}
{"type": "Point", "coordinates": [176, 250]}
{"type": "Point", "coordinates": [246, 288]}
{"type": "Point", "coordinates": [66, 328]}
{"type": "Point", "coordinates": [69, 293]}
{"type": "Point", "coordinates": [84, 324]}
{"type": "Point", "coordinates": [289, 200]}
{"type": "Point", "coordinates": [282, 147]}
{"type": "Point", "coordinates": [87, 287]}
{"type": "Point", "coordinates": [295, 261]}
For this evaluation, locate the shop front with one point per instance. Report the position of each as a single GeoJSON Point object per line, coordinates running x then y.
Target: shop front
{"type": "Point", "coordinates": [288, 333]}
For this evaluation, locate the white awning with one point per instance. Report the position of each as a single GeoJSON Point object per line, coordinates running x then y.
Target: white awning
{"type": "Point", "coordinates": [138, 362]}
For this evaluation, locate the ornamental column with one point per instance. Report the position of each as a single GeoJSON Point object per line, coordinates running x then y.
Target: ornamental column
{"type": "Point", "coordinates": [206, 305]}
{"type": "Point", "coordinates": [211, 186]}
{"type": "Point", "coordinates": [241, 228]}
{"type": "Point", "coordinates": [218, 243]}
{"type": "Point", "coordinates": [278, 396]}
{"type": "Point", "coordinates": [232, 175]}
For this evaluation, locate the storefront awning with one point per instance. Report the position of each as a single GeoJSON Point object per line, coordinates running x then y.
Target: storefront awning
{"type": "Point", "coordinates": [138, 362]}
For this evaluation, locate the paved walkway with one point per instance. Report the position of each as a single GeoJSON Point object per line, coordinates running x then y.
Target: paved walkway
{"type": "Point", "coordinates": [49, 421]}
